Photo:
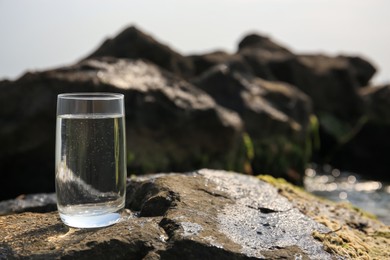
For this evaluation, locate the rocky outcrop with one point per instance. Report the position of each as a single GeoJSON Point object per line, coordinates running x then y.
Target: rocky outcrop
{"type": "Point", "coordinates": [204, 62]}
{"type": "Point", "coordinates": [132, 43]}
{"type": "Point", "coordinates": [171, 125]}
{"type": "Point", "coordinates": [377, 100]}
{"type": "Point", "coordinates": [366, 150]}
{"type": "Point", "coordinates": [331, 82]}
{"type": "Point", "coordinates": [205, 215]}
{"type": "Point", "coordinates": [263, 43]}
{"type": "Point", "coordinates": [177, 125]}
{"type": "Point", "coordinates": [258, 101]}
{"type": "Point", "coordinates": [40, 202]}
{"type": "Point", "coordinates": [274, 113]}
{"type": "Point", "coordinates": [334, 86]}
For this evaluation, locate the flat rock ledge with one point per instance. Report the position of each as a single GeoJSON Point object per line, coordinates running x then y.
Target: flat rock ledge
{"type": "Point", "coordinates": [206, 214]}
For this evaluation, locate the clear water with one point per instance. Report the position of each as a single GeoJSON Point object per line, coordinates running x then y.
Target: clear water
{"type": "Point", "coordinates": [90, 169]}
{"type": "Point", "coordinates": [91, 215]}
{"type": "Point", "coordinates": [369, 195]}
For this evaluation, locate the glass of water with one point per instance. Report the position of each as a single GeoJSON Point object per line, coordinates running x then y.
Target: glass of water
{"type": "Point", "coordinates": [90, 159]}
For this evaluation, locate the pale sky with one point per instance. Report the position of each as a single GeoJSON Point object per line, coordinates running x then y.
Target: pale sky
{"type": "Point", "coordinates": [42, 34]}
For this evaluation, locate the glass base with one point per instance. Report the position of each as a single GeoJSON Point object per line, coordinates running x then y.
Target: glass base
{"type": "Point", "coordinates": [91, 221]}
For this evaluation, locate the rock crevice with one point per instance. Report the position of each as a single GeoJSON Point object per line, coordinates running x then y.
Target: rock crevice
{"type": "Point", "coordinates": [206, 214]}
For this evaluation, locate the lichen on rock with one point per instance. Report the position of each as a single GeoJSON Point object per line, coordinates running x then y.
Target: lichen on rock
{"type": "Point", "coordinates": [353, 232]}
{"type": "Point", "coordinates": [206, 214]}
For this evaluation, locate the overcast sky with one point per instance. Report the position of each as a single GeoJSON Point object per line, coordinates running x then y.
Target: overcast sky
{"type": "Point", "coordinates": [41, 34]}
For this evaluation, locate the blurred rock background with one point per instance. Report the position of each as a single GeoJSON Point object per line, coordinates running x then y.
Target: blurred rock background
{"type": "Point", "coordinates": [260, 110]}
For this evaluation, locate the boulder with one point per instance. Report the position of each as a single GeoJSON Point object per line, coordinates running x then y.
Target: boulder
{"type": "Point", "coordinates": [331, 82]}
{"type": "Point", "coordinates": [134, 44]}
{"type": "Point", "coordinates": [276, 116]}
{"type": "Point", "coordinates": [361, 69]}
{"type": "Point", "coordinates": [206, 61]}
{"type": "Point", "coordinates": [256, 41]}
{"type": "Point", "coordinates": [170, 124]}
{"type": "Point", "coordinates": [257, 59]}
{"type": "Point", "coordinates": [167, 115]}
{"type": "Point", "coordinates": [205, 214]}
{"type": "Point", "coordinates": [366, 151]}
{"type": "Point", "coordinates": [246, 58]}
{"type": "Point", "coordinates": [377, 101]}
{"type": "Point", "coordinates": [41, 202]}
{"type": "Point", "coordinates": [253, 97]}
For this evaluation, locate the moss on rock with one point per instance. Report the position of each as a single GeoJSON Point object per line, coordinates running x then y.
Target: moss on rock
{"type": "Point", "coordinates": [354, 233]}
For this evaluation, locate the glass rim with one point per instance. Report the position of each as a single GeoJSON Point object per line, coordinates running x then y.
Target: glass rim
{"type": "Point", "coordinates": [91, 96]}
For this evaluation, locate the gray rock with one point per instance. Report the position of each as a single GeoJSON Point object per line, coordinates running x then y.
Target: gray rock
{"type": "Point", "coordinates": [42, 202]}
{"type": "Point", "coordinates": [275, 103]}
{"type": "Point", "coordinates": [262, 220]}
{"type": "Point", "coordinates": [261, 42]}
{"type": "Point", "coordinates": [333, 78]}
{"type": "Point", "coordinates": [205, 214]}
{"type": "Point", "coordinates": [275, 114]}
{"type": "Point", "coordinates": [171, 125]}
{"type": "Point", "coordinates": [133, 44]}
{"type": "Point", "coordinates": [377, 100]}
{"type": "Point", "coordinates": [204, 62]}
{"type": "Point", "coordinates": [366, 151]}
{"type": "Point", "coordinates": [323, 78]}
{"type": "Point", "coordinates": [331, 82]}
{"type": "Point", "coordinates": [201, 215]}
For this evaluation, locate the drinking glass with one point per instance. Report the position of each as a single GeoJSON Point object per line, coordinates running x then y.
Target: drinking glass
{"type": "Point", "coordinates": [90, 159]}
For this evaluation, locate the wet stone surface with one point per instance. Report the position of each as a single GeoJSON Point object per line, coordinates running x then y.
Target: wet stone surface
{"type": "Point", "coordinates": [41, 203]}
{"type": "Point", "coordinates": [205, 214]}
{"type": "Point", "coordinates": [262, 220]}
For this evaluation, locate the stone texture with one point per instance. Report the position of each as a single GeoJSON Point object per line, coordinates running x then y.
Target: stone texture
{"type": "Point", "coordinates": [354, 234]}
{"type": "Point", "coordinates": [194, 219]}
{"type": "Point", "coordinates": [205, 214]}
{"type": "Point", "coordinates": [273, 112]}
{"type": "Point", "coordinates": [134, 44]}
{"type": "Point", "coordinates": [331, 82]}
{"type": "Point", "coordinates": [32, 203]}
{"type": "Point", "coordinates": [171, 125]}
{"type": "Point", "coordinates": [323, 78]}
{"type": "Point", "coordinates": [259, 102]}
{"type": "Point", "coordinates": [43, 236]}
